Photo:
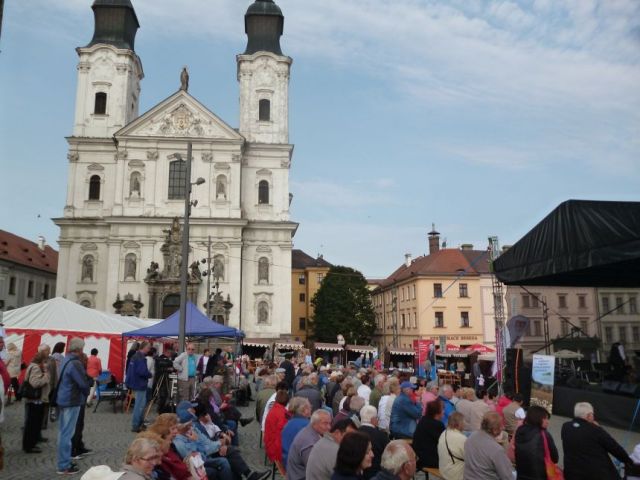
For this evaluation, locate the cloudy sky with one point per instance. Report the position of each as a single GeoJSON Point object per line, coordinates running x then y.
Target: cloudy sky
{"type": "Point", "coordinates": [478, 116]}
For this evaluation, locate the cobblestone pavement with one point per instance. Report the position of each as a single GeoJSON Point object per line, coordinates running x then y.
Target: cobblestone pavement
{"type": "Point", "coordinates": [109, 435]}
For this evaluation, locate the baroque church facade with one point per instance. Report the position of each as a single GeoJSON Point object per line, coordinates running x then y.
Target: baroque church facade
{"type": "Point", "coordinates": [121, 230]}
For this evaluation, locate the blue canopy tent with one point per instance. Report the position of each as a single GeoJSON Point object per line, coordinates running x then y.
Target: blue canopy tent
{"type": "Point", "coordinates": [197, 325]}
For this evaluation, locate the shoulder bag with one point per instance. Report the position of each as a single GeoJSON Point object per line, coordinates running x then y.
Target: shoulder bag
{"type": "Point", "coordinates": [553, 471]}
{"type": "Point", "coordinates": [27, 390]}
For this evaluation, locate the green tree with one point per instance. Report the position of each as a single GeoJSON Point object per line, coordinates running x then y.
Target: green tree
{"type": "Point", "coordinates": [342, 305]}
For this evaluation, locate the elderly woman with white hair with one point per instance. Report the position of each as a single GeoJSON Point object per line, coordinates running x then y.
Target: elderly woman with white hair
{"type": "Point", "coordinates": [141, 458]}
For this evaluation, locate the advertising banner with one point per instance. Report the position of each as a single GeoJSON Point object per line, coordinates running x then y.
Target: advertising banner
{"type": "Point", "coordinates": [425, 350]}
{"type": "Point", "coordinates": [542, 375]}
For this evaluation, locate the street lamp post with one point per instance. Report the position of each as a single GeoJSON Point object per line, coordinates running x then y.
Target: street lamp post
{"type": "Point", "coordinates": [184, 265]}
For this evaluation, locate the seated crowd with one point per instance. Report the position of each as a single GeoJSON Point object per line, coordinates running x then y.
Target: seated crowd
{"type": "Point", "coordinates": [357, 423]}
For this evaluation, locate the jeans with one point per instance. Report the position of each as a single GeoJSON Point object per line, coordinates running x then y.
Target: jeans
{"type": "Point", "coordinates": [67, 425]}
{"type": "Point", "coordinates": [218, 468]}
{"type": "Point", "coordinates": [138, 408]}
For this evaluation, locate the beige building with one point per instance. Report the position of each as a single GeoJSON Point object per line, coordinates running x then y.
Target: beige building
{"type": "Point", "coordinates": [307, 274]}
{"type": "Point", "coordinates": [620, 320]}
{"type": "Point", "coordinates": [572, 315]}
{"type": "Point", "coordinates": [444, 294]}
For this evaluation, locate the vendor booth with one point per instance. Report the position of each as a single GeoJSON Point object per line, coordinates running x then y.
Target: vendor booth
{"type": "Point", "coordinates": [256, 348]}
{"type": "Point", "coordinates": [59, 320]}
{"type": "Point", "coordinates": [355, 351]}
{"type": "Point", "coordinates": [454, 367]}
{"type": "Point", "coordinates": [402, 358]}
{"type": "Point", "coordinates": [330, 352]}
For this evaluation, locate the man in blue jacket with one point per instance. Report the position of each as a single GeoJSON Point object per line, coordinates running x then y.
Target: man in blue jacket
{"type": "Point", "coordinates": [137, 378]}
{"type": "Point", "coordinates": [72, 393]}
{"type": "Point", "coordinates": [405, 413]}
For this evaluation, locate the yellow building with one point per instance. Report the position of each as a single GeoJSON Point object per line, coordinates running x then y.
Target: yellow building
{"type": "Point", "coordinates": [442, 294]}
{"type": "Point", "coordinates": [306, 276]}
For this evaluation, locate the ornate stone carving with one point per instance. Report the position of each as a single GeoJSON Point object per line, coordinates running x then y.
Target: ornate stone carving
{"type": "Point", "coordinates": [95, 167]}
{"type": "Point", "coordinates": [128, 307]}
{"type": "Point", "coordinates": [285, 163]}
{"type": "Point", "coordinates": [73, 156]}
{"type": "Point", "coordinates": [88, 246]}
{"type": "Point", "coordinates": [84, 67]}
{"type": "Point", "coordinates": [152, 154]}
{"type": "Point", "coordinates": [131, 245]}
{"type": "Point", "coordinates": [207, 157]}
{"type": "Point", "coordinates": [136, 164]}
{"type": "Point", "coordinates": [121, 155]}
{"type": "Point", "coordinates": [182, 121]}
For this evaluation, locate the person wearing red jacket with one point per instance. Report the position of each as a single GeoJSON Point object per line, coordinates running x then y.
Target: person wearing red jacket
{"type": "Point", "coordinates": [4, 373]}
{"type": "Point", "coordinates": [277, 418]}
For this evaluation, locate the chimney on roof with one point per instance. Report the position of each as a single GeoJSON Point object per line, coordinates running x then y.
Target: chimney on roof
{"type": "Point", "coordinates": [466, 246]}
{"type": "Point", "coordinates": [407, 259]}
{"type": "Point", "coordinates": [434, 240]}
{"type": "Point", "coordinates": [41, 242]}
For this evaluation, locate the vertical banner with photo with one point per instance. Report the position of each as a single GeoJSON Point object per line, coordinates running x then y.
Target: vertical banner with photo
{"type": "Point", "coordinates": [542, 375]}
{"type": "Point", "coordinates": [424, 349]}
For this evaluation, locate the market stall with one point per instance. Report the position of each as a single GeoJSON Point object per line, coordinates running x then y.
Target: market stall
{"type": "Point", "coordinates": [402, 358]}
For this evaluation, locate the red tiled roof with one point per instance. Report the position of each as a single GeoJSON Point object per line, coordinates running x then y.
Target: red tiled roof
{"type": "Point", "coordinates": [299, 259]}
{"type": "Point", "coordinates": [25, 252]}
{"type": "Point", "coordinates": [446, 262]}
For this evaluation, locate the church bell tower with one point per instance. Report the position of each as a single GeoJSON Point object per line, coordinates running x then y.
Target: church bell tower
{"type": "Point", "coordinates": [109, 72]}
{"type": "Point", "coordinates": [263, 74]}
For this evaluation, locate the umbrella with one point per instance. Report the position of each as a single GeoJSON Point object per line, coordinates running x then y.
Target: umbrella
{"type": "Point", "coordinates": [567, 354]}
{"type": "Point", "coordinates": [480, 348]}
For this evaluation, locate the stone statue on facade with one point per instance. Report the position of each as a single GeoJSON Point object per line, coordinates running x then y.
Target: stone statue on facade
{"type": "Point", "coordinates": [195, 271]}
{"type": "Point", "coordinates": [152, 272]}
{"type": "Point", "coordinates": [184, 79]}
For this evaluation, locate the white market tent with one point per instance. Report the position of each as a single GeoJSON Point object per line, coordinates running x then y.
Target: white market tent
{"type": "Point", "coordinates": [59, 320]}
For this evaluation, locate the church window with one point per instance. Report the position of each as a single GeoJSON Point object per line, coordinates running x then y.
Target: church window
{"type": "Point", "coordinates": [264, 110]}
{"type": "Point", "coordinates": [130, 265]}
{"type": "Point", "coordinates": [100, 105]}
{"type": "Point", "coordinates": [263, 270]}
{"type": "Point", "coordinates": [263, 192]}
{"type": "Point", "coordinates": [221, 187]}
{"type": "Point", "coordinates": [87, 268]}
{"type": "Point", "coordinates": [94, 187]}
{"type": "Point", "coordinates": [177, 179]}
{"type": "Point", "coordinates": [134, 184]}
{"type": "Point", "coordinates": [263, 312]}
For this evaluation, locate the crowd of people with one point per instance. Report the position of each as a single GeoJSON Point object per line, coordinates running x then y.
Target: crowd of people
{"type": "Point", "coordinates": [316, 421]}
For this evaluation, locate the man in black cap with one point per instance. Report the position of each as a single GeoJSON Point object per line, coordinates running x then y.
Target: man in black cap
{"type": "Point", "coordinates": [289, 371]}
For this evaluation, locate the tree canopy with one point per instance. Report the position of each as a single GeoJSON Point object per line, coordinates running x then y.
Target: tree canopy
{"type": "Point", "coordinates": [342, 305]}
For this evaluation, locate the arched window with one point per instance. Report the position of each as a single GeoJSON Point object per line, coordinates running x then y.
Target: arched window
{"type": "Point", "coordinates": [130, 265]}
{"type": "Point", "coordinates": [263, 270]}
{"type": "Point", "coordinates": [264, 110]}
{"type": "Point", "coordinates": [86, 303]}
{"type": "Point", "coordinates": [134, 184]}
{"type": "Point", "coordinates": [263, 312]}
{"type": "Point", "coordinates": [177, 179]}
{"type": "Point", "coordinates": [100, 105]}
{"type": "Point", "coordinates": [263, 192]}
{"type": "Point", "coordinates": [221, 187]}
{"type": "Point", "coordinates": [218, 267]}
{"type": "Point", "coordinates": [94, 187]}
{"type": "Point", "coordinates": [87, 268]}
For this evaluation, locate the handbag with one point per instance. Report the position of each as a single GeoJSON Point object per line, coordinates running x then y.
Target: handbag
{"type": "Point", "coordinates": [28, 391]}
{"type": "Point", "coordinates": [554, 472]}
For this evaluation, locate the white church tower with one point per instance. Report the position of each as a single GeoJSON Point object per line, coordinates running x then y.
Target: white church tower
{"type": "Point", "coordinates": [109, 72]}
{"type": "Point", "coordinates": [121, 229]}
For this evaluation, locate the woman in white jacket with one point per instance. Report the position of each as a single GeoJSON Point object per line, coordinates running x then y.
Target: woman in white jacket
{"type": "Point", "coordinates": [451, 448]}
